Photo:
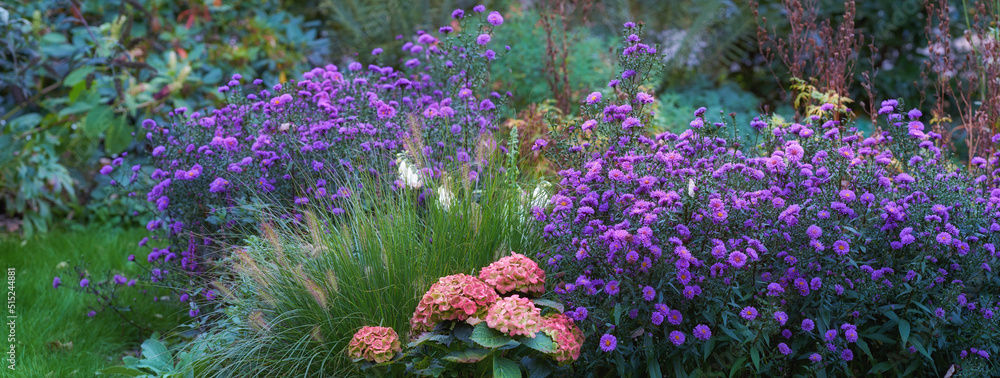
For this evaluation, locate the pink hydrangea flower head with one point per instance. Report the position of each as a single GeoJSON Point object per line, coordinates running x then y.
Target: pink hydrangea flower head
{"type": "Point", "coordinates": [514, 273]}
{"type": "Point", "coordinates": [567, 336]}
{"type": "Point", "coordinates": [514, 316]}
{"type": "Point", "coordinates": [376, 344]}
{"type": "Point", "coordinates": [455, 297]}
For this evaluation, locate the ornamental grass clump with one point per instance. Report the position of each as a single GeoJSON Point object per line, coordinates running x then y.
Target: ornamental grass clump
{"type": "Point", "coordinates": [313, 141]}
{"type": "Point", "coordinates": [805, 248]}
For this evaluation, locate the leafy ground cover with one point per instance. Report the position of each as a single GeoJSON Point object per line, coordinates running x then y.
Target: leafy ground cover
{"type": "Point", "coordinates": [55, 337]}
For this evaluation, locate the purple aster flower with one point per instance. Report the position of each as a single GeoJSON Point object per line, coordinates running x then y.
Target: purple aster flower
{"type": "Point", "coordinates": [749, 313]}
{"type": "Point", "coordinates": [814, 232]}
{"type": "Point", "coordinates": [677, 337]}
{"type": "Point", "coordinates": [702, 332]}
{"type": "Point", "coordinates": [847, 355]}
{"type": "Point", "coordinates": [784, 349]}
{"type": "Point", "coordinates": [808, 325]}
{"type": "Point", "coordinates": [608, 343]}
{"type": "Point", "coordinates": [593, 98]}
{"type": "Point", "coordinates": [648, 293]}
{"type": "Point", "coordinates": [841, 247]}
{"type": "Point", "coordinates": [479, 8]}
{"type": "Point", "coordinates": [494, 18]}
{"type": "Point", "coordinates": [815, 357]}
{"type": "Point", "coordinates": [483, 39]}
{"type": "Point", "coordinates": [106, 170]}
{"type": "Point", "coordinates": [611, 288]}
{"type": "Point", "coordinates": [737, 259]}
{"type": "Point", "coordinates": [219, 185]}
{"type": "Point", "coordinates": [830, 335]}
{"type": "Point", "coordinates": [781, 317]}
{"type": "Point", "coordinates": [939, 312]}
{"type": "Point", "coordinates": [457, 14]}
{"type": "Point", "coordinates": [656, 318]}
{"type": "Point", "coordinates": [91, 314]}
{"type": "Point", "coordinates": [851, 335]}
{"type": "Point", "coordinates": [56, 281]}
{"type": "Point", "coordinates": [943, 238]}
{"type": "Point", "coordinates": [84, 282]}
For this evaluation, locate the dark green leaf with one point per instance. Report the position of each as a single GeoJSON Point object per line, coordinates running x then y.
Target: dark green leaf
{"type": "Point", "coordinates": [98, 120]}
{"type": "Point", "coordinates": [78, 75]}
{"type": "Point", "coordinates": [880, 367]}
{"type": "Point", "coordinates": [904, 331]}
{"type": "Point", "coordinates": [488, 337]}
{"type": "Point", "coordinates": [118, 137]}
{"type": "Point", "coordinates": [467, 356]}
{"type": "Point", "coordinates": [553, 304]}
{"type": "Point", "coordinates": [541, 342]}
{"type": "Point", "coordinates": [504, 368]}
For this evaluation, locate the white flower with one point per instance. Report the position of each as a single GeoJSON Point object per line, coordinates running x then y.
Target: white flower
{"type": "Point", "coordinates": [445, 197]}
{"type": "Point", "coordinates": [691, 187]}
{"type": "Point", "coordinates": [408, 174]}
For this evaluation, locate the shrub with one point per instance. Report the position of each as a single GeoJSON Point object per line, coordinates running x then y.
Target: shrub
{"type": "Point", "coordinates": [313, 141]}
{"type": "Point", "coordinates": [461, 340]}
{"type": "Point", "coordinates": [809, 249]}
{"type": "Point", "coordinates": [77, 78]}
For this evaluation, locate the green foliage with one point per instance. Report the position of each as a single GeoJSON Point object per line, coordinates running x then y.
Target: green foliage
{"type": "Point", "coordinates": [522, 69]}
{"type": "Point", "coordinates": [156, 361]}
{"type": "Point", "coordinates": [76, 78]}
{"type": "Point", "coordinates": [55, 337]}
{"type": "Point", "coordinates": [677, 106]}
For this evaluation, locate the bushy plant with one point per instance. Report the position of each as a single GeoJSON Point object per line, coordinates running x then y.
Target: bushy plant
{"type": "Point", "coordinates": [465, 324]}
{"type": "Point", "coordinates": [313, 140]}
{"type": "Point", "coordinates": [77, 78]}
{"type": "Point", "coordinates": [808, 249]}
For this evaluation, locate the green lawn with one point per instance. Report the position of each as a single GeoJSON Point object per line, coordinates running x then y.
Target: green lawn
{"type": "Point", "coordinates": [49, 319]}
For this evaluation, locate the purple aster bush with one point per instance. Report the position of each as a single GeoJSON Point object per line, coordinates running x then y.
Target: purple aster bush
{"type": "Point", "coordinates": [812, 220]}
{"type": "Point", "coordinates": [422, 125]}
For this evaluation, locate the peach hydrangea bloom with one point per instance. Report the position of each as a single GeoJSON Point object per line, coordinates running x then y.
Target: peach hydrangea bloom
{"type": "Point", "coordinates": [514, 273]}
{"type": "Point", "coordinates": [455, 297]}
{"type": "Point", "coordinates": [514, 316]}
{"type": "Point", "coordinates": [567, 336]}
{"type": "Point", "coordinates": [377, 344]}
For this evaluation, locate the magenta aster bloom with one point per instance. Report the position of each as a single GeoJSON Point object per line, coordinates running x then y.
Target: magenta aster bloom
{"type": "Point", "coordinates": [483, 39]}
{"type": "Point", "coordinates": [677, 337]}
{"type": "Point", "coordinates": [702, 332]}
{"type": "Point", "coordinates": [749, 313]}
{"type": "Point", "coordinates": [219, 185]}
{"type": "Point", "coordinates": [611, 288]}
{"type": "Point", "coordinates": [784, 349]}
{"type": "Point", "coordinates": [808, 325]}
{"type": "Point", "coordinates": [608, 343]}
{"type": "Point", "coordinates": [84, 282]}
{"type": "Point", "coordinates": [494, 18]}
{"type": "Point", "coordinates": [851, 335]}
{"type": "Point", "coordinates": [106, 170]}
{"type": "Point", "coordinates": [781, 317]}
{"type": "Point", "coordinates": [737, 259]}
{"type": "Point", "coordinates": [815, 357]}
{"type": "Point", "coordinates": [944, 238]}
{"type": "Point", "coordinates": [457, 14]}
{"type": "Point", "coordinates": [56, 281]}
{"type": "Point", "coordinates": [814, 232]}
{"type": "Point", "coordinates": [648, 293]}
{"type": "Point", "coordinates": [593, 98]}
{"type": "Point", "coordinates": [847, 195]}
{"type": "Point", "coordinates": [841, 247]}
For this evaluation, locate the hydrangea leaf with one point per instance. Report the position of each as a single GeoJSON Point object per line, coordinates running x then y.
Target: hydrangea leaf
{"type": "Point", "coordinates": [553, 304]}
{"type": "Point", "coordinates": [504, 368]}
{"type": "Point", "coordinates": [488, 337]}
{"type": "Point", "coordinates": [541, 342]}
{"type": "Point", "coordinates": [467, 356]}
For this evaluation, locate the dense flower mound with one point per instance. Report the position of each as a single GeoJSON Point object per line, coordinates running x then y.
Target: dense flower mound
{"type": "Point", "coordinates": [310, 141]}
{"type": "Point", "coordinates": [514, 273]}
{"type": "Point", "coordinates": [514, 316]}
{"type": "Point", "coordinates": [567, 336]}
{"type": "Point", "coordinates": [455, 297]}
{"type": "Point", "coordinates": [805, 221]}
{"type": "Point", "coordinates": [376, 344]}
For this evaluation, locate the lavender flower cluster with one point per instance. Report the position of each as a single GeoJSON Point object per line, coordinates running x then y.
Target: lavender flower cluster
{"type": "Point", "coordinates": [810, 236]}
{"type": "Point", "coordinates": [301, 143]}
